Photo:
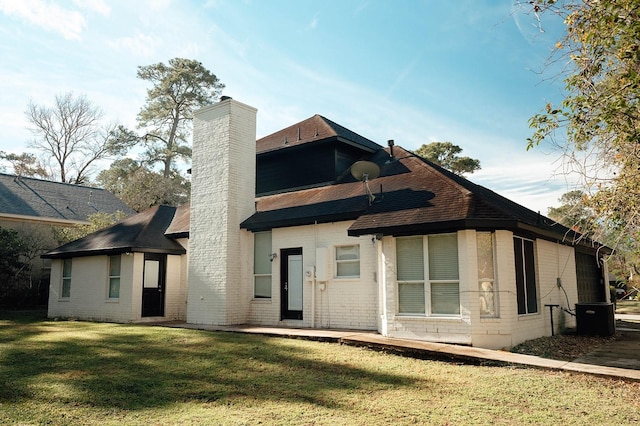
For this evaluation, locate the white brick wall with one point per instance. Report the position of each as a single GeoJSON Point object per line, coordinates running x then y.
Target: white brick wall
{"type": "Point", "coordinates": [508, 328]}
{"type": "Point", "coordinates": [337, 303]}
{"type": "Point", "coordinates": [552, 261]}
{"type": "Point", "coordinates": [441, 329]}
{"type": "Point", "coordinates": [222, 195]}
{"type": "Point", "coordinates": [89, 289]}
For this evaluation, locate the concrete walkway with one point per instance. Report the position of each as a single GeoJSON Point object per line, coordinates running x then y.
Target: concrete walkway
{"type": "Point", "coordinates": [618, 359]}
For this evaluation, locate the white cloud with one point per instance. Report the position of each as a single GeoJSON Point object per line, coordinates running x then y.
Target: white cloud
{"type": "Point", "coordinates": [158, 5]}
{"type": "Point", "coordinates": [313, 24]}
{"type": "Point", "coordinates": [140, 44]}
{"type": "Point", "coordinates": [98, 6]}
{"type": "Point", "coordinates": [49, 16]}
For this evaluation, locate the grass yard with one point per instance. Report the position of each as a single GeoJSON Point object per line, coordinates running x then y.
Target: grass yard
{"type": "Point", "coordinates": [90, 373]}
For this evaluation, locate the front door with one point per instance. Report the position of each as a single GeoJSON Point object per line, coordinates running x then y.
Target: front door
{"type": "Point", "coordinates": [291, 283]}
{"type": "Point", "coordinates": [153, 283]}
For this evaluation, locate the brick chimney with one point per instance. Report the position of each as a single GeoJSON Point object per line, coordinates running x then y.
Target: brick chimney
{"type": "Point", "coordinates": [222, 196]}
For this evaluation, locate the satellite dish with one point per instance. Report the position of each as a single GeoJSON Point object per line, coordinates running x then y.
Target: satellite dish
{"type": "Point", "coordinates": [365, 170]}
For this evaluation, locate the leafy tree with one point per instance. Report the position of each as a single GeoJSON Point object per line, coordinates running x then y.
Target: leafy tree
{"type": "Point", "coordinates": [97, 221]}
{"type": "Point", "coordinates": [13, 269]}
{"type": "Point", "coordinates": [597, 125]}
{"type": "Point", "coordinates": [179, 88]}
{"type": "Point", "coordinates": [573, 213]}
{"type": "Point", "coordinates": [445, 154]}
{"type": "Point", "coordinates": [70, 137]}
{"type": "Point", "coordinates": [25, 164]}
{"type": "Point", "coordinates": [141, 188]}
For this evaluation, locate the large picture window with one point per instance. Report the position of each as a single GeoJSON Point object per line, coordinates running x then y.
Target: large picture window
{"type": "Point", "coordinates": [262, 265]}
{"type": "Point", "coordinates": [487, 287]}
{"type": "Point", "coordinates": [65, 291]}
{"type": "Point", "coordinates": [428, 277]}
{"type": "Point", "coordinates": [526, 291]}
{"type": "Point", "coordinates": [114, 277]}
{"type": "Point", "coordinates": [348, 261]}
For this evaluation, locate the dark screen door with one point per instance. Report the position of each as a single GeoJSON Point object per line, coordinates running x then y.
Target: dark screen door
{"type": "Point", "coordinates": [291, 282]}
{"type": "Point", "coordinates": [153, 283]}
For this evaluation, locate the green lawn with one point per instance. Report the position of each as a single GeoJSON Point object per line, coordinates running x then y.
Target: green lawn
{"type": "Point", "coordinates": [89, 373]}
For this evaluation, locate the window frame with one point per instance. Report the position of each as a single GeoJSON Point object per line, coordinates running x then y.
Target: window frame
{"type": "Point", "coordinates": [427, 282]}
{"type": "Point", "coordinates": [339, 262]}
{"type": "Point", "coordinates": [65, 280]}
{"type": "Point", "coordinates": [256, 265]}
{"type": "Point", "coordinates": [526, 279]}
{"type": "Point", "coordinates": [111, 277]}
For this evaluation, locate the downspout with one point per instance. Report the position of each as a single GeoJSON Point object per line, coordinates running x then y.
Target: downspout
{"type": "Point", "coordinates": [382, 287]}
{"type": "Point", "coordinates": [313, 275]}
{"type": "Point", "coordinates": [313, 297]}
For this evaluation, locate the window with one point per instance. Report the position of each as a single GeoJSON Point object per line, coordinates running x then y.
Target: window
{"type": "Point", "coordinates": [525, 276]}
{"type": "Point", "coordinates": [434, 290]}
{"type": "Point", "coordinates": [486, 275]}
{"type": "Point", "coordinates": [66, 278]}
{"type": "Point", "coordinates": [262, 265]}
{"type": "Point", "coordinates": [114, 277]}
{"type": "Point", "coordinates": [411, 290]}
{"type": "Point", "coordinates": [348, 261]}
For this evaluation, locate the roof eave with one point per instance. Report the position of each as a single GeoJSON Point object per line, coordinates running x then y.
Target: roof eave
{"type": "Point", "coordinates": [111, 252]}
{"type": "Point", "coordinates": [571, 238]}
{"type": "Point", "coordinates": [260, 225]}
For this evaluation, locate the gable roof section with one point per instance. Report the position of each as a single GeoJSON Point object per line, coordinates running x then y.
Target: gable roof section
{"type": "Point", "coordinates": [412, 197]}
{"type": "Point", "coordinates": [313, 129]}
{"type": "Point", "coordinates": [54, 202]}
{"type": "Point", "coordinates": [144, 232]}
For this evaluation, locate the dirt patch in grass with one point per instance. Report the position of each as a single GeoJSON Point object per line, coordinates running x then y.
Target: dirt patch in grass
{"type": "Point", "coordinates": [563, 347]}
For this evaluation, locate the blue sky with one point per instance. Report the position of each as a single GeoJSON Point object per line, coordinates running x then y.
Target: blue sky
{"type": "Point", "coordinates": [413, 71]}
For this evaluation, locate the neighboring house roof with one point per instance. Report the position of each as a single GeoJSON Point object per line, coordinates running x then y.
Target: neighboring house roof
{"type": "Point", "coordinates": [313, 129]}
{"type": "Point", "coordinates": [412, 196]}
{"type": "Point", "coordinates": [24, 198]}
{"type": "Point", "coordinates": [144, 232]}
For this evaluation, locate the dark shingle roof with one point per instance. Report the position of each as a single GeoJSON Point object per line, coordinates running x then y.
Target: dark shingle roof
{"type": "Point", "coordinates": [312, 129]}
{"type": "Point", "coordinates": [179, 227]}
{"type": "Point", "coordinates": [144, 232]}
{"type": "Point", "coordinates": [413, 197]}
{"type": "Point", "coordinates": [54, 201]}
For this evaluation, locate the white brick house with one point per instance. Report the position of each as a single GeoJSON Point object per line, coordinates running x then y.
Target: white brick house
{"type": "Point", "coordinates": [281, 233]}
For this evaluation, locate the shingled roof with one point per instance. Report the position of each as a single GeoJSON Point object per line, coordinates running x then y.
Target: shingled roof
{"type": "Point", "coordinates": [24, 198]}
{"type": "Point", "coordinates": [313, 129]}
{"type": "Point", "coordinates": [144, 232]}
{"type": "Point", "coordinates": [412, 196]}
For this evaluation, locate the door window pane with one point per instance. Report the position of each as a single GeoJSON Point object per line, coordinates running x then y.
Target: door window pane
{"type": "Point", "coordinates": [295, 283]}
{"type": "Point", "coordinates": [151, 273]}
